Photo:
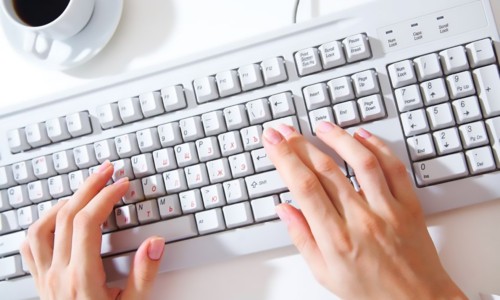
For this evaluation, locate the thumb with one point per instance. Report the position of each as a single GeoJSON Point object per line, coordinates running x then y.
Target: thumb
{"type": "Point", "coordinates": [145, 268]}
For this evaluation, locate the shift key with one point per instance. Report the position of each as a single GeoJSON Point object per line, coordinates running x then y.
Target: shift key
{"type": "Point", "coordinates": [264, 184]}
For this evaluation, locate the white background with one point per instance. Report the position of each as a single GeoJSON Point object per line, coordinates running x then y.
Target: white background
{"type": "Point", "coordinates": [155, 31]}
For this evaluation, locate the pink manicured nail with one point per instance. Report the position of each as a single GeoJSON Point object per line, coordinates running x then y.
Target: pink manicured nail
{"type": "Point", "coordinates": [272, 136]}
{"type": "Point", "coordinates": [285, 130]}
{"type": "Point", "coordinates": [363, 133]}
{"type": "Point", "coordinates": [121, 180]}
{"type": "Point", "coordinates": [324, 126]}
{"type": "Point", "coordinates": [155, 249]}
{"type": "Point", "coordinates": [282, 214]}
{"type": "Point", "coordinates": [103, 167]}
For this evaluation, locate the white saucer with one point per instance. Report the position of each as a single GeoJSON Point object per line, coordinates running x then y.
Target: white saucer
{"type": "Point", "coordinates": [78, 49]}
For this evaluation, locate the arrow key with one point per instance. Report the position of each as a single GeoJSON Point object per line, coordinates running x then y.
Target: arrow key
{"type": "Point", "coordinates": [447, 141]}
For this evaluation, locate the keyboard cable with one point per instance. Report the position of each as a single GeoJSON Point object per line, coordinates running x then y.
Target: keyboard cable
{"type": "Point", "coordinates": [295, 11]}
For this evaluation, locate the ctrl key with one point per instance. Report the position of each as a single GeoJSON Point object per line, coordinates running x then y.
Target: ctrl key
{"type": "Point", "coordinates": [10, 267]}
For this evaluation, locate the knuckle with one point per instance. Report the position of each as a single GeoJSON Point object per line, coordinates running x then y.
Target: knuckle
{"type": "Point", "coordinates": [82, 220]}
{"type": "Point", "coordinates": [399, 168]}
{"type": "Point", "coordinates": [308, 183]}
{"type": "Point", "coordinates": [64, 215]}
{"type": "Point", "coordinates": [368, 162]}
{"type": "Point", "coordinates": [325, 164]}
{"type": "Point", "coordinates": [372, 226]}
{"type": "Point", "coordinates": [343, 243]}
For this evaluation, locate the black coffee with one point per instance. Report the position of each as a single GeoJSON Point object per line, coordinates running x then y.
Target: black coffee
{"type": "Point", "coordinates": [39, 12]}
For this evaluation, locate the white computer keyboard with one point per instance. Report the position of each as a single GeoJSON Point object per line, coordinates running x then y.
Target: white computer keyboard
{"type": "Point", "coordinates": [423, 75]}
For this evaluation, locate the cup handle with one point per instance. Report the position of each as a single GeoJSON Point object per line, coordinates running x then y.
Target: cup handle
{"type": "Point", "coordinates": [37, 44]}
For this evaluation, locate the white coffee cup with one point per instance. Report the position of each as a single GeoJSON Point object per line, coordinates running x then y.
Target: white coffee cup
{"type": "Point", "coordinates": [38, 39]}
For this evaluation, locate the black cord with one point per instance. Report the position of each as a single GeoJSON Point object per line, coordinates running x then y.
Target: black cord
{"type": "Point", "coordinates": [295, 11]}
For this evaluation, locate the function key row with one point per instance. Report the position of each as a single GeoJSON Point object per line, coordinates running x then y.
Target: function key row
{"type": "Point", "coordinates": [332, 54]}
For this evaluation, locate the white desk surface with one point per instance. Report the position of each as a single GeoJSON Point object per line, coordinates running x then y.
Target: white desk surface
{"type": "Point", "coordinates": [155, 31]}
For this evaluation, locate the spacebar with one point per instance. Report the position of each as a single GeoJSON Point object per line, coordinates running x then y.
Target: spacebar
{"type": "Point", "coordinates": [130, 239]}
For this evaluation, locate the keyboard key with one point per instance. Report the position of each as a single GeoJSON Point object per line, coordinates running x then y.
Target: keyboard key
{"type": "Point", "coordinates": [402, 73]}
{"type": "Point", "coordinates": [36, 135]}
{"type": "Point", "coordinates": [414, 122]}
{"type": "Point", "coordinates": [191, 129]}
{"type": "Point", "coordinates": [8, 223]}
{"type": "Point", "coordinates": [332, 55]}
{"type": "Point", "coordinates": [23, 172]}
{"type": "Point", "coordinates": [408, 98]}
{"type": "Point", "coordinates": [241, 165]}
{"type": "Point", "coordinates": [205, 89]}
{"type": "Point", "coordinates": [227, 83]}
{"type": "Point", "coordinates": [454, 60]}
{"type": "Point", "coordinates": [218, 170]}
{"type": "Point", "coordinates": [488, 85]}
{"type": "Point", "coordinates": [175, 181]}
{"type": "Point", "coordinates": [250, 77]}
{"type": "Point", "coordinates": [148, 140]}
{"type": "Point", "coordinates": [10, 267]}
{"type": "Point", "coordinates": [290, 121]}
{"type": "Point", "coordinates": [319, 115]}
{"type": "Point", "coordinates": [191, 201]}
{"type": "Point", "coordinates": [341, 89]}
{"type": "Point", "coordinates": [135, 192]}
{"type": "Point", "coordinates": [164, 160]}
{"type": "Point", "coordinates": [282, 105]}
{"type": "Point", "coordinates": [59, 186]}
{"type": "Point", "coordinates": [264, 184]}
{"type": "Point", "coordinates": [210, 221]}
{"type": "Point", "coordinates": [130, 109]}
{"type": "Point", "coordinates": [196, 176]}
{"type": "Point", "coordinates": [4, 201]}
{"type": "Point", "coordinates": [109, 115]}
{"type": "Point", "coordinates": [265, 208]}
{"type": "Point", "coordinates": [126, 145]}
{"type": "Point", "coordinates": [261, 161]}
{"type": "Point", "coordinates": [467, 110]}
{"type": "Point", "coordinates": [447, 141]}
{"type": "Point", "coordinates": [230, 143]}
{"type": "Point", "coordinates": [213, 123]}
{"type": "Point", "coordinates": [237, 215]}
{"type": "Point", "coordinates": [258, 111]}
{"type": "Point", "coordinates": [57, 130]}
{"type": "Point", "coordinates": [251, 137]}
{"type": "Point", "coordinates": [130, 239]}
{"type": "Point", "coordinates": [173, 98]}
{"type": "Point", "coordinates": [428, 67]}
{"type": "Point", "coordinates": [27, 215]}
{"type": "Point", "coordinates": [274, 70]}
{"type": "Point", "coordinates": [122, 168]}
{"type": "Point", "coordinates": [77, 178]}
{"type": "Point", "coordinates": [38, 191]}
{"type": "Point", "coordinates": [153, 186]}
{"type": "Point", "coordinates": [18, 196]}
{"type": "Point", "coordinates": [85, 156]}
{"type": "Point", "coordinates": [236, 117]}
{"type": "Point", "coordinates": [440, 116]}
{"type": "Point", "coordinates": [44, 207]}
{"type": "Point", "coordinates": [473, 134]}
{"type": "Point", "coordinates": [440, 169]}
{"type": "Point", "coordinates": [288, 199]}
{"type": "Point", "coordinates": [307, 61]}
{"type": "Point", "coordinates": [208, 149]}
{"type": "Point", "coordinates": [316, 96]}
{"type": "Point", "coordinates": [365, 83]}
{"type": "Point", "coordinates": [346, 113]}
{"type": "Point", "coordinates": [434, 91]}
{"type": "Point", "coordinates": [480, 160]}
{"type": "Point", "coordinates": [6, 177]}
{"type": "Point", "coordinates": [151, 104]}
{"type": "Point", "coordinates": [235, 190]}
{"type": "Point", "coordinates": [480, 53]}
{"type": "Point", "coordinates": [213, 196]}
{"type": "Point", "coordinates": [421, 147]}
{"type": "Point", "coordinates": [169, 206]}
{"type": "Point", "coordinates": [110, 224]}
{"type": "Point", "coordinates": [186, 154]}
{"type": "Point", "coordinates": [170, 134]}
{"type": "Point", "coordinates": [357, 47]}
{"type": "Point", "coordinates": [493, 127]}
{"type": "Point", "coordinates": [126, 216]}
{"type": "Point", "coordinates": [17, 140]}
{"type": "Point", "coordinates": [64, 161]}
{"type": "Point", "coordinates": [10, 243]}
{"type": "Point", "coordinates": [147, 211]}
{"type": "Point", "coordinates": [143, 165]}
{"type": "Point", "coordinates": [460, 85]}
{"type": "Point", "coordinates": [78, 124]}
{"type": "Point", "coordinates": [105, 150]}
{"type": "Point", "coordinates": [371, 108]}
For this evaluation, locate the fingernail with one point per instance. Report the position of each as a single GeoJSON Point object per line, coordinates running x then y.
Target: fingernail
{"type": "Point", "coordinates": [285, 130]}
{"type": "Point", "coordinates": [121, 180]}
{"type": "Point", "coordinates": [324, 126]}
{"type": "Point", "coordinates": [272, 136]}
{"type": "Point", "coordinates": [103, 167]}
{"type": "Point", "coordinates": [363, 133]}
{"type": "Point", "coordinates": [282, 214]}
{"type": "Point", "coordinates": [155, 249]}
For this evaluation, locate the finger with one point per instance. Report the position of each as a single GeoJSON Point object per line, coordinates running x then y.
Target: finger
{"type": "Point", "coordinates": [145, 268]}
{"type": "Point", "coordinates": [301, 236]}
{"type": "Point", "coordinates": [87, 237]}
{"type": "Point", "coordinates": [65, 217]}
{"type": "Point", "coordinates": [41, 238]}
{"type": "Point", "coordinates": [333, 180]}
{"type": "Point", "coordinates": [29, 260]}
{"type": "Point", "coordinates": [363, 161]}
{"type": "Point", "coordinates": [394, 170]}
{"type": "Point", "coordinates": [322, 217]}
